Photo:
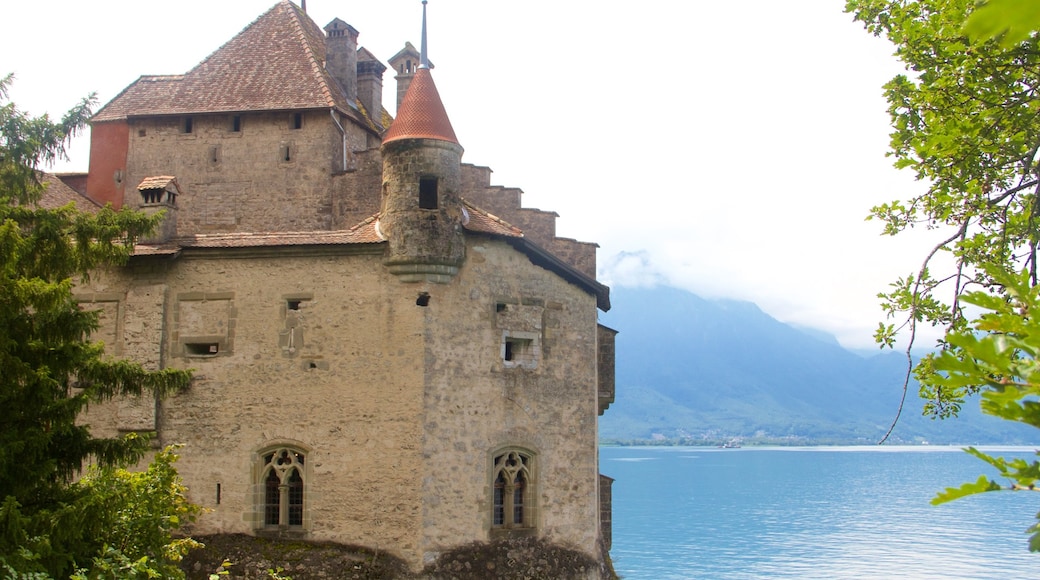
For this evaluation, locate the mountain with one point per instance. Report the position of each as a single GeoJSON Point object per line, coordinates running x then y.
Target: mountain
{"type": "Point", "coordinates": [720, 369]}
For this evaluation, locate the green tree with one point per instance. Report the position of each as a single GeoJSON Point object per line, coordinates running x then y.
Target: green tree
{"type": "Point", "coordinates": [1011, 21]}
{"type": "Point", "coordinates": [966, 119]}
{"type": "Point", "coordinates": [50, 370]}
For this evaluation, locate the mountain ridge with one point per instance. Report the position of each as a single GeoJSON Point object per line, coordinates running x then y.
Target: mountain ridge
{"type": "Point", "coordinates": [702, 370]}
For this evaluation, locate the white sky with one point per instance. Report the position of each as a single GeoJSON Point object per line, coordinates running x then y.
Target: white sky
{"type": "Point", "coordinates": [732, 147]}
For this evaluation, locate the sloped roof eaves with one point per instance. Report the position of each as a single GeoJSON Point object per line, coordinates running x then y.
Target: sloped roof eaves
{"type": "Point", "coordinates": [483, 222]}
{"type": "Point", "coordinates": [248, 240]}
{"type": "Point", "coordinates": [544, 259]}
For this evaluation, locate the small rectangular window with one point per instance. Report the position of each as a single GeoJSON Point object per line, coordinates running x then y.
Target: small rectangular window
{"type": "Point", "coordinates": [297, 121]}
{"type": "Point", "coordinates": [236, 123]}
{"type": "Point", "coordinates": [202, 348]}
{"type": "Point", "coordinates": [187, 125]}
{"type": "Point", "coordinates": [521, 349]}
{"type": "Point", "coordinates": [428, 193]}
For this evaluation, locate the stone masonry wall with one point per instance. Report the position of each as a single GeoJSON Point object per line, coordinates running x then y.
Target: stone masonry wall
{"type": "Point", "coordinates": [356, 195]}
{"type": "Point", "coordinates": [268, 176]}
{"type": "Point", "coordinates": [397, 402]}
{"type": "Point", "coordinates": [475, 403]}
{"type": "Point", "coordinates": [348, 395]}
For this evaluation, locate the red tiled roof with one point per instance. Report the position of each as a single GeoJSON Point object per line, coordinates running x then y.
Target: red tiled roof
{"type": "Point", "coordinates": [275, 63]}
{"type": "Point", "coordinates": [358, 235]}
{"type": "Point", "coordinates": [157, 182]}
{"type": "Point", "coordinates": [421, 114]}
{"type": "Point", "coordinates": [481, 221]}
{"type": "Point", "coordinates": [57, 194]}
{"type": "Point", "coordinates": [367, 232]}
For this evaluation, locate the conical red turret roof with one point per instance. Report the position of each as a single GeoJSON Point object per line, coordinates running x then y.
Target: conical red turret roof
{"type": "Point", "coordinates": [421, 114]}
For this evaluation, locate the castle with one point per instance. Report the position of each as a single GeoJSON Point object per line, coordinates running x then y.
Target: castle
{"type": "Point", "coordinates": [388, 350]}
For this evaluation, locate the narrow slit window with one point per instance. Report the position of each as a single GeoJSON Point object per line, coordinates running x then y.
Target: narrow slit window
{"type": "Point", "coordinates": [428, 193]}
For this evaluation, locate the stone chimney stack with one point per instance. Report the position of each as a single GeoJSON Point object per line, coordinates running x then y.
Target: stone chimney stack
{"type": "Point", "coordinates": [370, 85]}
{"type": "Point", "coordinates": [159, 194]}
{"type": "Point", "coordinates": [405, 63]}
{"type": "Point", "coordinates": [341, 56]}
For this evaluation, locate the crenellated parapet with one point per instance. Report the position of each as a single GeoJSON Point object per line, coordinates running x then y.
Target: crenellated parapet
{"type": "Point", "coordinates": [539, 226]}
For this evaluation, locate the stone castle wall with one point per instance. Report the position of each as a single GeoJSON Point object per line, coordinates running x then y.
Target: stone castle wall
{"type": "Point", "coordinates": [267, 176]}
{"type": "Point", "coordinates": [397, 406]}
{"type": "Point", "coordinates": [477, 403]}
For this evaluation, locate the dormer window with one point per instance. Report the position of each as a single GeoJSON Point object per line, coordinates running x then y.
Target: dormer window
{"type": "Point", "coordinates": [427, 193]}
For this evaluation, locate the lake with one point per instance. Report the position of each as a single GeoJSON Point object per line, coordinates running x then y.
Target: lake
{"type": "Point", "coordinates": [813, 512]}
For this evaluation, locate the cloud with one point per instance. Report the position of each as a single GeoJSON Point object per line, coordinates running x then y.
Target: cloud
{"type": "Point", "coordinates": [633, 270]}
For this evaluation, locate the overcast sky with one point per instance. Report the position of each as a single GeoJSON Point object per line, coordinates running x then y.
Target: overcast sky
{"type": "Point", "coordinates": [731, 148]}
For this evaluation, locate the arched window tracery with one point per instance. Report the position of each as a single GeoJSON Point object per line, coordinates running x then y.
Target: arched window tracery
{"type": "Point", "coordinates": [282, 477]}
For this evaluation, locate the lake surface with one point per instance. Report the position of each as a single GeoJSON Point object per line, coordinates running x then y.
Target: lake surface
{"type": "Point", "coordinates": [813, 512]}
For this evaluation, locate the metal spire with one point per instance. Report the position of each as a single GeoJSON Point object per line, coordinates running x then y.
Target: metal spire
{"type": "Point", "coordinates": [424, 62]}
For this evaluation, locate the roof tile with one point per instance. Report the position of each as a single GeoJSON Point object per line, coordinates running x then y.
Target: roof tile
{"type": "Point", "coordinates": [275, 63]}
{"type": "Point", "coordinates": [421, 114]}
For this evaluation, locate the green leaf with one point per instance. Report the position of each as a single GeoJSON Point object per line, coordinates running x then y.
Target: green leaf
{"type": "Point", "coordinates": [983, 484]}
{"type": "Point", "coordinates": [1012, 21]}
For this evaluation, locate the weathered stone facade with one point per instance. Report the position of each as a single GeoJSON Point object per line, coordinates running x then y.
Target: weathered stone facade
{"type": "Point", "coordinates": [389, 352]}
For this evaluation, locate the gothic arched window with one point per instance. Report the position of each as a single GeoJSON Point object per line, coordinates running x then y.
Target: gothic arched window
{"type": "Point", "coordinates": [282, 478]}
{"type": "Point", "coordinates": [512, 490]}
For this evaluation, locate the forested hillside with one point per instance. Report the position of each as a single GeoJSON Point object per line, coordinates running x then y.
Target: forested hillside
{"type": "Point", "coordinates": [711, 371]}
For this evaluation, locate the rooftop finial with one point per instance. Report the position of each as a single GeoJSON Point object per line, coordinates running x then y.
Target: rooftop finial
{"type": "Point", "coordinates": [424, 62]}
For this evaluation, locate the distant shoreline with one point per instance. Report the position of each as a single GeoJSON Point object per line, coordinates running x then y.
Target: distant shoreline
{"type": "Point", "coordinates": [728, 444]}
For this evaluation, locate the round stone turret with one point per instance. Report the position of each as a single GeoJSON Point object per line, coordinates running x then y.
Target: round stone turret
{"type": "Point", "coordinates": [422, 213]}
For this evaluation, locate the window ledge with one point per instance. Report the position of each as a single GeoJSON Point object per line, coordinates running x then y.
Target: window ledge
{"type": "Point", "coordinates": [503, 533]}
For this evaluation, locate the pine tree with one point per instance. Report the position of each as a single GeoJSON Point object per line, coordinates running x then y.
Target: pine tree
{"type": "Point", "coordinates": [50, 370]}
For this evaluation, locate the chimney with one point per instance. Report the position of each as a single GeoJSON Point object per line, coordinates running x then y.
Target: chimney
{"type": "Point", "coordinates": [159, 194]}
{"type": "Point", "coordinates": [341, 56]}
{"type": "Point", "coordinates": [370, 85]}
{"type": "Point", "coordinates": [405, 64]}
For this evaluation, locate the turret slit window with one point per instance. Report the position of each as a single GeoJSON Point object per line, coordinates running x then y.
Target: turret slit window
{"type": "Point", "coordinates": [512, 505]}
{"type": "Point", "coordinates": [285, 152]}
{"type": "Point", "coordinates": [282, 480]}
{"type": "Point", "coordinates": [428, 193]}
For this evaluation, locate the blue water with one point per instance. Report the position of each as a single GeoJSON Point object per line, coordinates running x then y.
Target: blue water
{"type": "Point", "coordinates": [823, 512]}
